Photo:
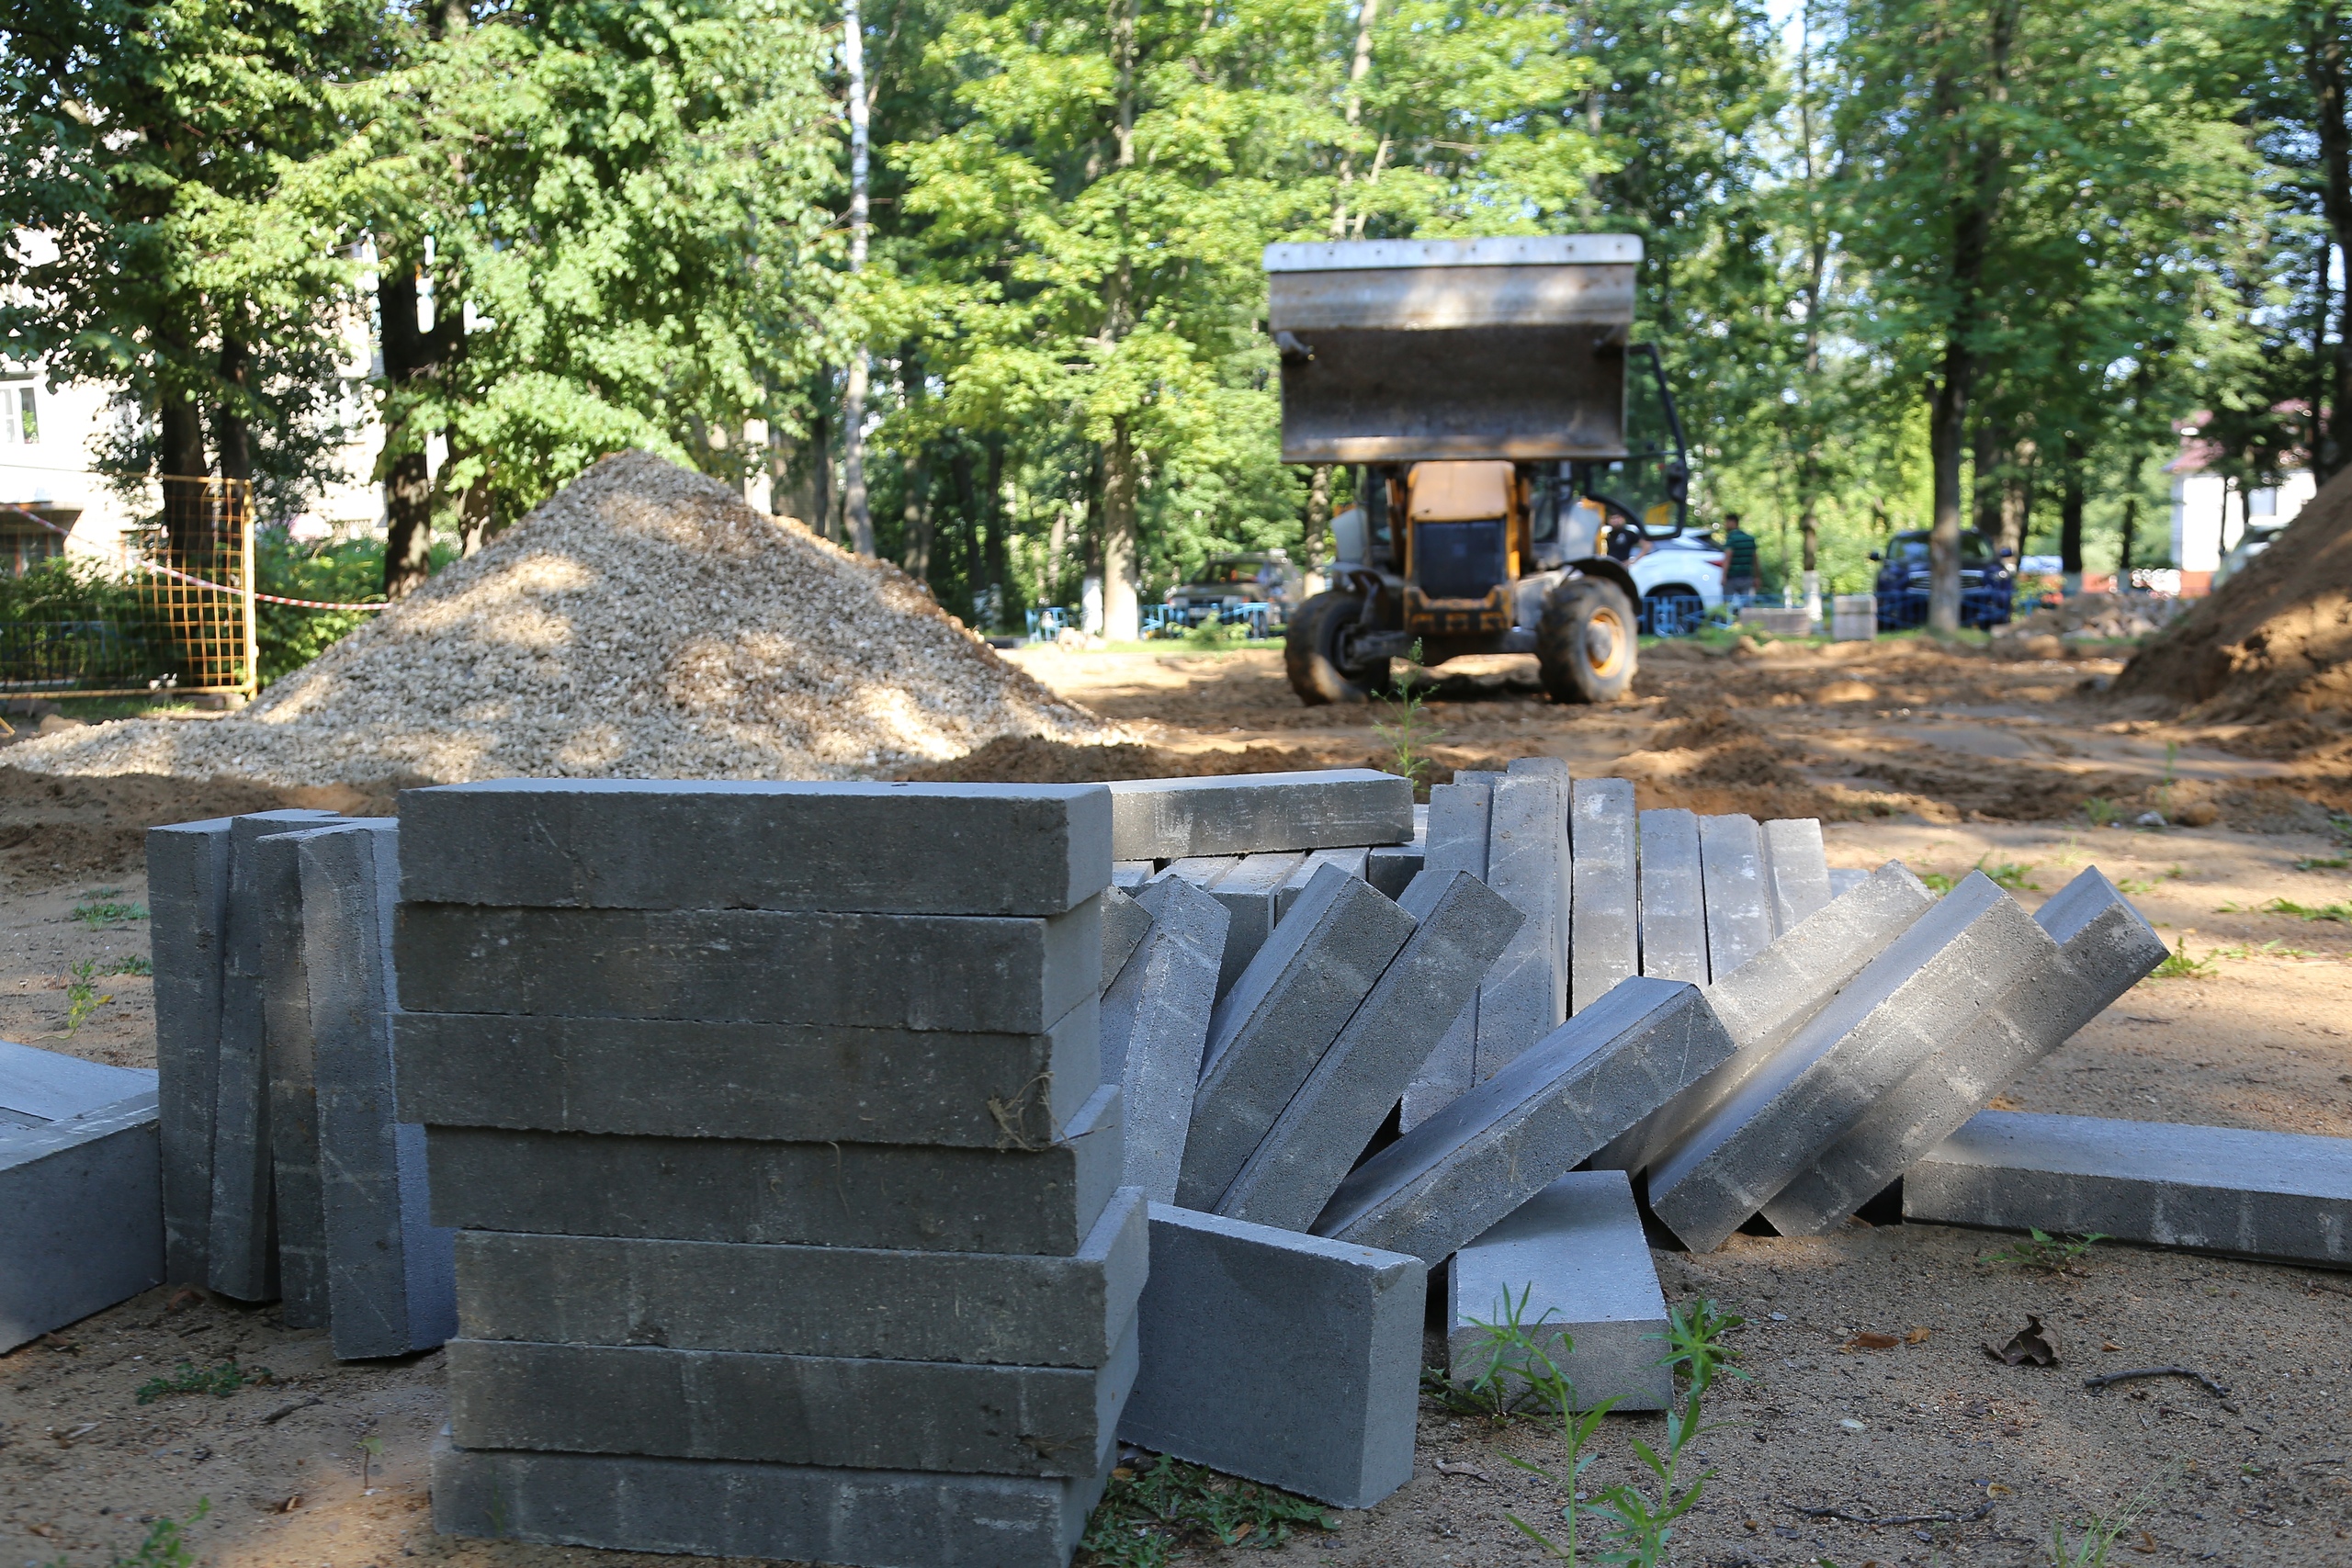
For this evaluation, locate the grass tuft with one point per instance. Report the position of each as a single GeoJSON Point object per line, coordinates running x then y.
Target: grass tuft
{"type": "Point", "coordinates": [221, 1381]}
{"type": "Point", "coordinates": [1149, 1512]}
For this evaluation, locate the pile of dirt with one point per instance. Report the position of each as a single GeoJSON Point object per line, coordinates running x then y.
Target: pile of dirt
{"type": "Point", "coordinates": [2107, 617]}
{"type": "Point", "coordinates": [643, 623]}
{"type": "Point", "coordinates": [2275, 641]}
{"type": "Point", "coordinates": [54, 829]}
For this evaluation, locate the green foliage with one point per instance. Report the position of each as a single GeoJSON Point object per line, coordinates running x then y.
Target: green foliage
{"type": "Point", "coordinates": [1698, 1342]}
{"type": "Point", "coordinates": [1148, 1513]}
{"type": "Point", "coordinates": [131, 964]}
{"type": "Point", "coordinates": [2052, 1255]}
{"type": "Point", "coordinates": [82, 998]}
{"type": "Point", "coordinates": [1515, 1371]}
{"type": "Point", "coordinates": [2103, 811]}
{"type": "Point", "coordinates": [221, 1381]}
{"type": "Point", "coordinates": [70, 588]}
{"type": "Point", "coordinates": [166, 1544]}
{"type": "Point", "coordinates": [111, 912]}
{"type": "Point", "coordinates": [1408, 733]}
{"type": "Point", "coordinates": [342, 571]}
{"type": "Point", "coordinates": [2178, 965]}
{"type": "Point", "coordinates": [2340, 911]}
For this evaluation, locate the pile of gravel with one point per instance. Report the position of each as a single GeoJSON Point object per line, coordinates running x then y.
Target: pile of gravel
{"type": "Point", "coordinates": [644, 622]}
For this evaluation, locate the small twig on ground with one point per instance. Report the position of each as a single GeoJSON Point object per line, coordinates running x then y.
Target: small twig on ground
{"type": "Point", "coordinates": [1968, 1519]}
{"type": "Point", "coordinates": [283, 1411]}
{"type": "Point", "coordinates": [2216, 1389]}
{"type": "Point", "coordinates": [2324, 1285]}
{"type": "Point", "coordinates": [1470, 1471]}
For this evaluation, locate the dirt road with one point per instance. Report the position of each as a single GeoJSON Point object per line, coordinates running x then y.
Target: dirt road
{"type": "Point", "coordinates": [1944, 762]}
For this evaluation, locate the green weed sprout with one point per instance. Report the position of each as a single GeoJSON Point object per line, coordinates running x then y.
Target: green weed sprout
{"type": "Point", "coordinates": [82, 997]}
{"type": "Point", "coordinates": [2040, 1250]}
{"type": "Point", "coordinates": [1407, 734]}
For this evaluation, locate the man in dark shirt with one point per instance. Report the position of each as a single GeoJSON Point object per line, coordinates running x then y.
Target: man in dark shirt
{"type": "Point", "coordinates": [1739, 562]}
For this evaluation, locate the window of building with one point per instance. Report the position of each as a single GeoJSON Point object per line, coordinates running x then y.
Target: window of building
{"type": "Point", "coordinates": [19, 416]}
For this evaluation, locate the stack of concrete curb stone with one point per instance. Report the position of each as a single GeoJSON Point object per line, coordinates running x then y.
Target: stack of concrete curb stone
{"type": "Point", "coordinates": [788, 1190]}
{"type": "Point", "coordinates": [284, 1174]}
{"type": "Point", "coordinates": [839, 1171]}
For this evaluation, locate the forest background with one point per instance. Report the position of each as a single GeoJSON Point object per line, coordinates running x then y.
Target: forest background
{"type": "Point", "coordinates": [974, 283]}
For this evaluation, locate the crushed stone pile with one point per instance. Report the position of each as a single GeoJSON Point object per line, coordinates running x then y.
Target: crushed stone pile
{"type": "Point", "coordinates": [2276, 641]}
{"type": "Point", "coordinates": [2111, 616]}
{"type": "Point", "coordinates": [643, 623]}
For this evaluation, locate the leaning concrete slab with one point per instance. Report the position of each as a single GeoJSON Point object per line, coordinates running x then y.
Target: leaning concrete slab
{"type": "Point", "coordinates": [391, 1281]}
{"type": "Point", "coordinates": [860, 1412]}
{"type": "Point", "coordinates": [810, 1083]}
{"type": "Point", "coordinates": [1462, 927]}
{"type": "Point", "coordinates": [1606, 897]}
{"type": "Point", "coordinates": [1156, 1027]}
{"type": "Point", "coordinates": [984, 972]}
{"type": "Point", "coordinates": [242, 1252]}
{"type": "Point", "coordinates": [942, 1199]}
{"type": "Point", "coordinates": [187, 902]}
{"type": "Point", "coordinates": [2104, 949]}
{"type": "Point", "coordinates": [1129, 875]}
{"type": "Point", "coordinates": [1793, 867]}
{"type": "Point", "coordinates": [1280, 1357]}
{"type": "Point", "coordinates": [1456, 842]}
{"type": "Point", "coordinates": [1739, 904]}
{"type": "Point", "coordinates": [1525, 996]}
{"type": "Point", "coordinates": [883, 1518]}
{"type": "Point", "coordinates": [812, 1301]}
{"type": "Point", "coordinates": [1570, 1262]}
{"type": "Point", "coordinates": [1254, 812]}
{"type": "Point", "coordinates": [1450, 1179]}
{"type": "Point", "coordinates": [1355, 862]}
{"type": "Point", "coordinates": [1123, 923]}
{"type": "Point", "coordinates": [1674, 907]}
{"type": "Point", "coordinates": [2284, 1196]}
{"type": "Point", "coordinates": [293, 1121]}
{"type": "Point", "coordinates": [1766, 999]}
{"type": "Point", "coordinates": [1929, 985]}
{"type": "Point", "coordinates": [82, 1199]}
{"type": "Point", "coordinates": [1279, 1020]}
{"type": "Point", "coordinates": [909, 849]}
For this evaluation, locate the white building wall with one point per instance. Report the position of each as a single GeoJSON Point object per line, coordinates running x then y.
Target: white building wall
{"type": "Point", "coordinates": [2208, 515]}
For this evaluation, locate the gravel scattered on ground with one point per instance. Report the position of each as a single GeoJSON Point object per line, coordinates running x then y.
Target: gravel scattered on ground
{"type": "Point", "coordinates": [644, 622]}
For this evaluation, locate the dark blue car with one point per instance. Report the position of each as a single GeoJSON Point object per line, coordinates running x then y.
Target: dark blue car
{"type": "Point", "coordinates": [1987, 584]}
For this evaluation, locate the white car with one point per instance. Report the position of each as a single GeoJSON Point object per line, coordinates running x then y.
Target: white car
{"type": "Point", "coordinates": [1687, 566]}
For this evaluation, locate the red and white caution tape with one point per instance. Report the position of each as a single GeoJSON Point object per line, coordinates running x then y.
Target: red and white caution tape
{"type": "Point", "coordinates": [201, 583]}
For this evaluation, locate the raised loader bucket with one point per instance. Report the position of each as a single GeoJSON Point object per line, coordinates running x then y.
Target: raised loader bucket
{"type": "Point", "coordinates": [1395, 351]}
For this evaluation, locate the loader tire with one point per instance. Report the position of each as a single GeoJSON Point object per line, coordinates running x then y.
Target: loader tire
{"type": "Point", "coordinates": [1587, 643]}
{"type": "Point", "coordinates": [1311, 653]}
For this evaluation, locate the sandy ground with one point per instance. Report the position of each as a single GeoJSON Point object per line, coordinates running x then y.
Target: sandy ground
{"type": "Point", "coordinates": [1944, 762]}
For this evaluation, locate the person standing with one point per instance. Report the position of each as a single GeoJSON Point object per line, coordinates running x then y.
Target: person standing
{"type": "Point", "coordinates": [1739, 560]}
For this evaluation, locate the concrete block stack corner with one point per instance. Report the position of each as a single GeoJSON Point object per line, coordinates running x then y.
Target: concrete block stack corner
{"type": "Point", "coordinates": [866, 1182]}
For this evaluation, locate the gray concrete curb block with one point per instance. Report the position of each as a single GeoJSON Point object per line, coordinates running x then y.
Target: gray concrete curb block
{"type": "Point", "coordinates": [1156, 1025]}
{"type": "Point", "coordinates": [911, 848]}
{"type": "Point", "coordinates": [1451, 1179]}
{"type": "Point", "coordinates": [921, 1198]}
{"type": "Point", "coordinates": [2286, 1197]}
{"type": "Point", "coordinates": [83, 1201]}
{"type": "Point", "coordinates": [1254, 812]}
{"type": "Point", "coordinates": [823, 1410]}
{"type": "Point", "coordinates": [811, 1300]}
{"type": "Point", "coordinates": [1572, 1261]}
{"type": "Point", "coordinates": [187, 901]}
{"type": "Point", "coordinates": [1280, 1357]}
{"type": "Point", "coordinates": [881, 1519]}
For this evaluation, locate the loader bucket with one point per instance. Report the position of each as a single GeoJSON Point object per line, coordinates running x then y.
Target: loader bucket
{"type": "Point", "coordinates": [1396, 351]}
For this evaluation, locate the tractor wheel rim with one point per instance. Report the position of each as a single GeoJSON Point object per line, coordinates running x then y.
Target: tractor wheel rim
{"type": "Point", "coordinates": [1604, 643]}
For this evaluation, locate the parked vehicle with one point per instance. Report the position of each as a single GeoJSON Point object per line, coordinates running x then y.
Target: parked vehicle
{"type": "Point", "coordinates": [2258, 538]}
{"type": "Point", "coordinates": [1680, 579]}
{"type": "Point", "coordinates": [1987, 583]}
{"type": "Point", "coordinates": [1260, 591]}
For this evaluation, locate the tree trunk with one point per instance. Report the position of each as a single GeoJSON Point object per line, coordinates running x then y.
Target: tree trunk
{"type": "Point", "coordinates": [473, 502]}
{"type": "Point", "coordinates": [408, 478]}
{"type": "Point", "coordinates": [1358, 69]}
{"type": "Point", "coordinates": [820, 458]}
{"type": "Point", "coordinates": [914, 511]}
{"type": "Point", "coordinates": [182, 465]}
{"type": "Point", "coordinates": [231, 437]}
{"type": "Point", "coordinates": [2070, 520]}
{"type": "Point", "coordinates": [1978, 196]}
{"type": "Point", "coordinates": [2131, 532]}
{"type": "Point", "coordinates": [857, 515]}
{"type": "Point", "coordinates": [992, 515]}
{"type": "Point", "coordinates": [2324, 64]}
{"type": "Point", "coordinates": [1122, 618]}
{"type": "Point", "coordinates": [1987, 489]}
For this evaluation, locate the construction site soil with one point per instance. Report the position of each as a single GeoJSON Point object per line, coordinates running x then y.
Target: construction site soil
{"type": "Point", "coordinates": [1944, 759]}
